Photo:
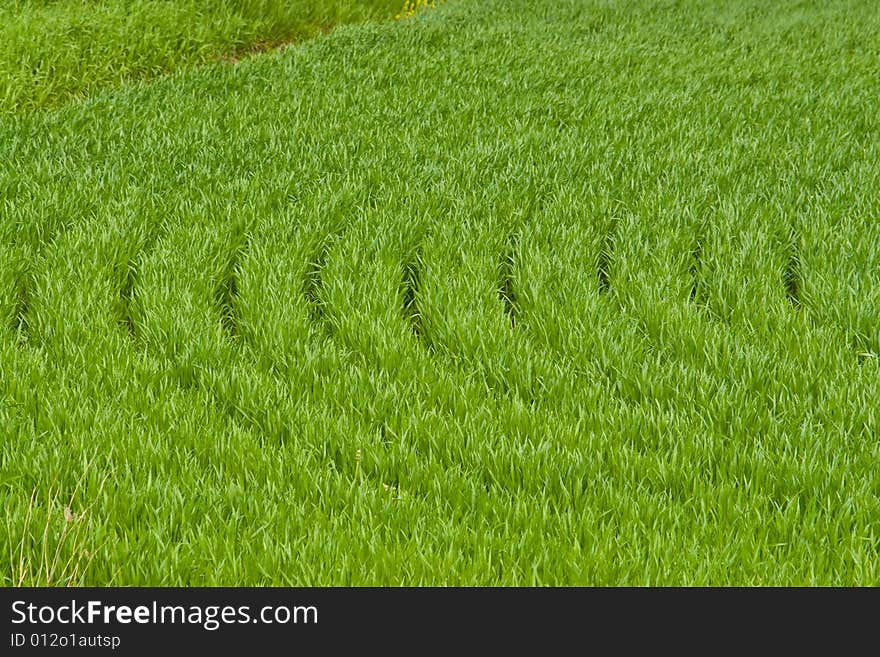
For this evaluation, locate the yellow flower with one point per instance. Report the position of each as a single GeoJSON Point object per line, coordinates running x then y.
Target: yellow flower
{"type": "Point", "coordinates": [410, 7]}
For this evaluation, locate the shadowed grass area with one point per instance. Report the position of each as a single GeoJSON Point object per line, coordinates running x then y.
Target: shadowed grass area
{"type": "Point", "coordinates": [53, 51]}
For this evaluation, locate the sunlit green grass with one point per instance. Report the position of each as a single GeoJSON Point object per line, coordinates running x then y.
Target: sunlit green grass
{"type": "Point", "coordinates": [503, 293]}
{"type": "Point", "coordinates": [54, 51]}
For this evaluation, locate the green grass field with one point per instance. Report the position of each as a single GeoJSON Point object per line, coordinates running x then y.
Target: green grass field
{"type": "Point", "coordinates": [52, 51]}
{"type": "Point", "coordinates": [506, 292]}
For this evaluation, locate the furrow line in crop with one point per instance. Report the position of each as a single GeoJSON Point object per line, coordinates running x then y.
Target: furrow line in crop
{"type": "Point", "coordinates": [22, 306]}
{"type": "Point", "coordinates": [604, 263]}
{"type": "Point", "coordinates": [14, 290]}
{"type": "Point", "coordinates": [465, 303]}
{"type": "Point", "coordinates": [420, 404]}
{"type": "Point", "coordinates": [792, 277]}
{"type": "Point", "coordinates": [120, 394]}
{"type": "Point", "coordinates": [410, 289]}
{"type": "Point", "coordinates": [568, 317]}
{"type": "Point", "coordinates": [140, 246]}
{"type": "Point", "coordinates": [126, 295]}
{"type": "Point", "coordinates": [313, 285]}
{"type": "Point", "coordinates": [506, 290]}
{"type": "Point", "coordinates": [274, 381]}
{"type": "Point", "coordinates": [698, 283]}
{"type": "Point", "coordinates": [226, 294]}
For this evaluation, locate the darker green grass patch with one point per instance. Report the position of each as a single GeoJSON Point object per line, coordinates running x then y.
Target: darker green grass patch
{"type": "Point", "coordinates": [50, 53]}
